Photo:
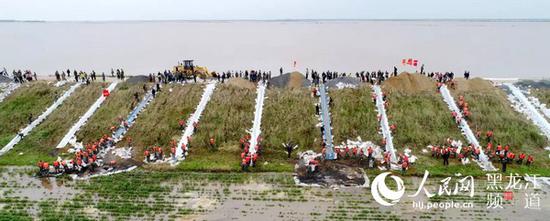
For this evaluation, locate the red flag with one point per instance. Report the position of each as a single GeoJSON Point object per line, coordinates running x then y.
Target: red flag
{"type": "Point", "coordinates": [410, 61]}
{"type": "Point", "coordinates": [403, 61]}
{"type": "Point", "coordinates": [106, 93]}
{"type": "Point", "coordinates": [415, 63]}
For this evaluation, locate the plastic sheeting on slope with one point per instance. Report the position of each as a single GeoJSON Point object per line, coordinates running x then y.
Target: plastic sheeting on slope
{"type": "Point", "coordinates": [256, 126]}
{"type": "Point", "coordinates": [523, 105]}
{"type": "Point", "coordinates": [7, 89]}
{"type": "Point", "coordinates": [85, 117]}
{"type": "Point", "coordinates": [540, 106]}
{"type": "Point", "coordinates": [25, 131]}
{"type": "Point", "coordinates": [327, 128]}
{"type": "Point", "coordinates": [386, 132]}
{"type": "Point", "coordinates": [131, 119]}
{"type": "Point", "coordinates": [189, 129]}
{"type": "Point", "coordinates": [483, 162]}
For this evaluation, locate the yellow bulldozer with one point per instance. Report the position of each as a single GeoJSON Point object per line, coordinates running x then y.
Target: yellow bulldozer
{"type": "Point", "coordinates": [188, 70]}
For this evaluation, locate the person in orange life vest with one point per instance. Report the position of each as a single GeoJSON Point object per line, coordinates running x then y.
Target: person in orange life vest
{"type": "Point", "coordinates": [393, 128]}
{"type": "Point", "coordinates": [520, 158]}
{"type": "Point", "coordinates": [92, 165]}
{"type": "Point", "coordinates": [212, 143]}
{"type": "Point", "coordinates": [530, 160]}
{"type": "Point", "coordinates": [506, 149]}
{"type": "Point", "coordinates": [387, 160]}
{"type": "Point", "coordinates": [446, 155]}
{"type": "Point", "coordinates": [511, 156]}
{"type": "Point", "coordinates": [404, 166]}
{"type": "Point", "coordinates": [354, 152]}
{"type": "Point", "coordinates": [173, 152]}
{"type": "Point", "coordinates": [56, 166]}
{"type": "Point", "coordinates": [499, 149]}
{"type": "Point", "coordinates": [183, 149]}
{"type": "Point", "coordinates": [181, 122]}
{"type": "Point", "coordinates": [489, 136]}
{"type": "Point", "coordinates": [346, 151]}
{"type": "Point", "coordinates": [439, 84]}
{"type": "Point", "coordinates": [254, 159]}
{"type": "Point", "coordinates": [478, 134]}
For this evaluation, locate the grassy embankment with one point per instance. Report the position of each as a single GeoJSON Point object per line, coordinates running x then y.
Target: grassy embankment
{"type": "Point", "coordinates": [289, 115]}
{"type": "Point", "coordinates": [31, 98]}
{"type": "Point", "coordinates": [158, 123]}
{"type": "Point", "coordinates": [543, 95]}
{"type": "Point", "coordinates": [353, 115]}
{"type": "Point", "coordinates": [422, 118]}
{"type": "Point", "coordinates": [119, 104]}
{"type": "Point", "coordinates": [227, 117]}
{"type": "Point", "coordinates": [492, 111]}
{"type": "Point", "coordinates": [40, 143]}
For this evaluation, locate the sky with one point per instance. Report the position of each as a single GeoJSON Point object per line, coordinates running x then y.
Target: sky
{"type": "Point", "coordinates": [113, 10]}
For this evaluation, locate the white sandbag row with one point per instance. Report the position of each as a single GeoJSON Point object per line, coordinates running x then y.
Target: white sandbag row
{"type": "Point", "coordinates": [71, 133]}
{"type": "Point", "coordinates": [522, 105]}
{"type": "Point", "coordinates": [483, 162]}
{"type": "Point", "coordinates": [540, 106]}
{"type": "Point", "coordinates": [25, 131]}
{"type": "Point", "coordinates": [326, 123]}
{"type": "Point", "coordinates": [255, 131]}
{"type": "Point", "coordinates": [60, 83]}
{"type": "Point", "coordinates": [195, 117]}
{"type": "Point", "coordinates": [384, 125]}
{"type": "Point", "coordinates": [7, 89]}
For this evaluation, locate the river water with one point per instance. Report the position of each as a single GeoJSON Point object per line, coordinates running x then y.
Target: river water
{"type": "Point", "coordinates": [485, 48]}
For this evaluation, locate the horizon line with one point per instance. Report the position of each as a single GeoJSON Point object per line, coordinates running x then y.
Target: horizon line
{"type": "Point", "coordinates": [290, 20]}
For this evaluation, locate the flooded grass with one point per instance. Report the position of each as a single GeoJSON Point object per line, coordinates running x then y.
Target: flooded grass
{"type": "Point", "coordinates": [144, 195]}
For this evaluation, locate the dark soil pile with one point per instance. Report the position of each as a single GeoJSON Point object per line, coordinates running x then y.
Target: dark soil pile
{"type": "Point", "coordinates": [138, 79]}
{"type": "Point", "coordinates": [341, 173]}
{"type": "Point", "coordinates": [290, 80]}
{"type": "Point", "coordinates": [4, 79]}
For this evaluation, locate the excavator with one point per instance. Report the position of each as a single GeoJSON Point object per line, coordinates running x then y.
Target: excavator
{"type": "Point", "coordinates": [188, 70]}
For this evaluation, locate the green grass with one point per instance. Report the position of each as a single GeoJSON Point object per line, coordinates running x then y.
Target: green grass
{"type": "Point", "coordinates": [227, 117]}
{"type": "Point", "coordinates": [289, 115]}
{"type": "Point", "coordinates": [41, 143]}
{"type": "Point", "coordinates": [492, 111]}
{"type": "Point", "coordinates": [353, 115]}
{"type": "Point", "coordinates": [543, 95]}
{"type": "Point", "coordinates": [158, 123]}
{"type": "Point", "coordinates": [31, 98]}
{"type": "Point", "coordinates": [423, 119]}
{"type": "Point", "coordinates": [117, 105]}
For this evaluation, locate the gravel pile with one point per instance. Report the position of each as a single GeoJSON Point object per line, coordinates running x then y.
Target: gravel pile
{"type": "Point", "coordinates": [289, 80]}
{"type": "Point", "coordinates": [343, 82]}
{"type": "Point", "coordinates": [138, 79]}
{"type": "Point", "coordinates": [4, 79]}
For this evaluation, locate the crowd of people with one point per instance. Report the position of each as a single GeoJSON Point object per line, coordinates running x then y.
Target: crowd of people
{"type": "Point", "coordinates": [81, 76]}
{"type": "Point", "coordinates": [86, 159]}
{"type": "Point", "coordinates": [248, 158]}
{"type": "Point", "coordinates": [178, 77]}
{"type": "Point", "coordinates": [374, 77]}
{"type": "Point", "coordinates": [21, 76]}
